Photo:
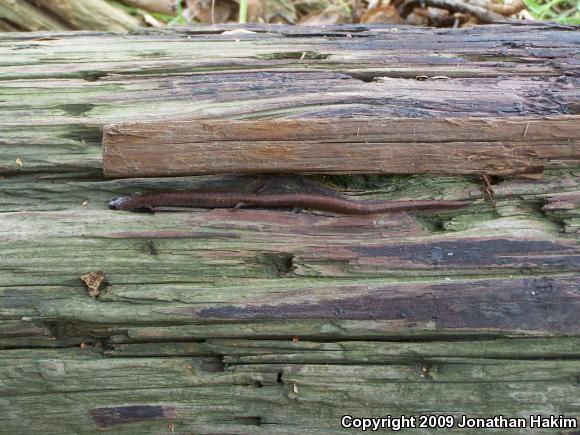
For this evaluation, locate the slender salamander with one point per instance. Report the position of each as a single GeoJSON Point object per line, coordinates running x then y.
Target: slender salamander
{"type": "Point", "coordinates": [151, 201]}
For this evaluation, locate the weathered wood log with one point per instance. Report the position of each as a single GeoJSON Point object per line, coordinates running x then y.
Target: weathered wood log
{"type": "Point", "coordinates": [204, 73]}
{"type": "Point", "coordinates": [482, 13]}
{"type": "Point", "coordinates": [34, 15]}
{"type": "Point", "coordinates": [198, 394]}
{"type": "Point", "coordinates": [495, 146]}
{"type": "Point", "coordinates": [17, 15]}
{"type": "Point", "coordinates": [263, 321]}
{"type": "Point", "coordinates": [89, 15]}
{"type": "Point", "coordinates": [167, 7]}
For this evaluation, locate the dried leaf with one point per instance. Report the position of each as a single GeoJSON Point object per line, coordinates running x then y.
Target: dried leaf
{"type": "Point", "coordinates": [166, 7]}
{"type": "Point", "coordinates": [255, 11]}
{"type": "Point", "coordinates": [202, 10]}
{"type": "Point", "coordinates": [94, 281]}
{"type": "Point", "coordinates": [330, 15]}
{"type": "Point", "coordinates": [279, 11]}
{"type": "Point", "coordinates": [382, 15]}
{"type": "Point", "coordinates": [507, 9]}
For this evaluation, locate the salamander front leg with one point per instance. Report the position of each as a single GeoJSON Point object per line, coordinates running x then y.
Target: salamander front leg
{"type": "Point", "coordinates": [238, 205]}
{"type": "Point", "coordinates": [147, 208]}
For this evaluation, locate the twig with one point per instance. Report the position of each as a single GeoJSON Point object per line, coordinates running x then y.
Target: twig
{"type": "Point", "coordinates": [482, 14]}
{"type": "Point", "coordinates": [487, 187]}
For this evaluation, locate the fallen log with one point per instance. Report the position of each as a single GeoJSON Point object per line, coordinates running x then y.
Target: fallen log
{"type": "Point", "coordinates": [265, 321]}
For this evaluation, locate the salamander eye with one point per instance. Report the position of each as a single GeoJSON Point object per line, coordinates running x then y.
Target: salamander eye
{"type": "Point", "coordinates": [113, 203]}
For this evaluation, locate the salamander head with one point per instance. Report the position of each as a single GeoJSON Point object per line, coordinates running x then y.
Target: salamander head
{"type": "Point", "coordinates": [135, 202]}
{"type": "Point", "coordinates": [120, 203]}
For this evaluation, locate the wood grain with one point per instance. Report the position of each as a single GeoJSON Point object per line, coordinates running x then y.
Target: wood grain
{"type": "Point", "coordinates": [264, 321]}
{"type": "Point", "coordinates": [497, 146]}
{"type": "Point", "coordinates": [55, 110]}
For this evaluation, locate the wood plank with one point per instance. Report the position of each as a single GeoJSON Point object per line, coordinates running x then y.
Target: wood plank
{"type": "Point", "coordinates": [496, 146]}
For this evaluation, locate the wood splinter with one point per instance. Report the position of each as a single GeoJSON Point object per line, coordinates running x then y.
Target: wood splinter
{"type": "Point", "coordinates": [498, 146]}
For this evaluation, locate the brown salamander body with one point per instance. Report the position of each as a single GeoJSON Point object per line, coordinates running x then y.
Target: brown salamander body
{"type": "Point", "coordinates": [151, 201]}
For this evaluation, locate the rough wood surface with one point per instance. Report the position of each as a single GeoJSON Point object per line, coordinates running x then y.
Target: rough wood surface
{"type": "Point", "coordinates": [19, 15]}
{"type": "Point", "coordinates": [495, 146]}
{"type": "Point", "coordinates": [263, 321]}
{"type": "Point", "coordinates": [89, 15]}
{"type": "Point", "coordinates": [35, 15]}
